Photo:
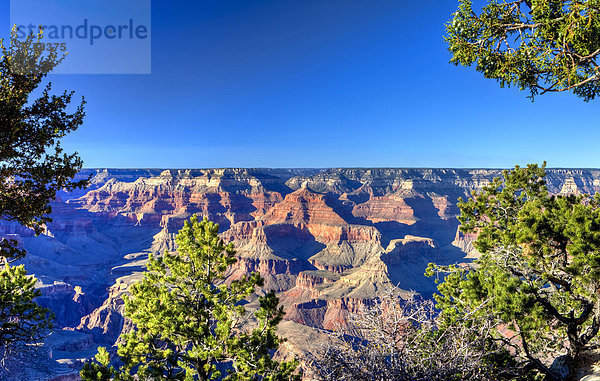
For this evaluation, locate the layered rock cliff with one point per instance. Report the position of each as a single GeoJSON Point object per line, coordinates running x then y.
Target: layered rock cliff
{"type": "Point", "coordinates": [328, 241]}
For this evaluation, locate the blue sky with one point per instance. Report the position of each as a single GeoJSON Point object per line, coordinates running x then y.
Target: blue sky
{"type": "Point", "coordinates": [317, 83]}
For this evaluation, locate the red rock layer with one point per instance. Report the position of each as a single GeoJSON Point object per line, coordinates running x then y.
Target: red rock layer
{"type": "Point", "coordinates": [325, 314]}
{"type": "Point", "coordinates": [385, 208]}
{"type": "Point", "coordinates": [446, 209]}
{"type": "Point", "coordinates": [303, 206]}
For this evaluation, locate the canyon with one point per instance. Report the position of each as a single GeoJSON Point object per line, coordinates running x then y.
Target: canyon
{"type": "Point", "coordinates": [327, 240]}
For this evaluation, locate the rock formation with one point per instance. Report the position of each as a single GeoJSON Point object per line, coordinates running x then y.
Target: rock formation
{"type": "Point", "coordinates": [328, 241]}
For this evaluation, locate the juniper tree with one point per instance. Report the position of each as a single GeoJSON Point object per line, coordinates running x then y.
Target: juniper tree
{"type": "Point", "coordinates": [22, 320]}
{"type": "Point", "coordinates": [189, 324]}
{"type": "Point", "coordinates": [33, 167]}
{"type": "Point", "coordinates": [539, 271]}
{"type": "Point", "coordinates": [538, 45]}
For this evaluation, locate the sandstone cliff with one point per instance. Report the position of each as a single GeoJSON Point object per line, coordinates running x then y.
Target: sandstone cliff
{"type": "Point", "coordinates": [327, 240]}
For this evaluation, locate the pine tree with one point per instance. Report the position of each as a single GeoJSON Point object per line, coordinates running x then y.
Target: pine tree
{"type": "Point", "coordinates": [22, 320]}
{"type": "Point", "coordinates": [192, 325]}
{"type": "Point", "coordinates": [539, 272]}
{"type": "Point", "coordinates": [33, 167]}
{"type": "Point", "coordinates": [538, 45]}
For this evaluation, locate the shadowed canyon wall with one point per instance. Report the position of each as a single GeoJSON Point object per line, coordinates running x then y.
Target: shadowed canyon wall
{"type": "Point", "coordinates": [327, 240]}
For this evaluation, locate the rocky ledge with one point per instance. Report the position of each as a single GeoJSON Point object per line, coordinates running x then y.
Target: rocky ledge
{"type": "Point", "coordinates": [327, 240]}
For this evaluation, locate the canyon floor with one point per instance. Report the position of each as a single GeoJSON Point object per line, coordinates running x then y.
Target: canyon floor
{"type": "Point", "coordinates": [327, 240]}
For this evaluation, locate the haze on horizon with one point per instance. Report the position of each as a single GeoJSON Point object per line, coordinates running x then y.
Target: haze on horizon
{"type": "Point", "coordinates": [316, 84]}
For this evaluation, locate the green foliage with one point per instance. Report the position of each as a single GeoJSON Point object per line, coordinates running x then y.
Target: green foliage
{"type": "Point", "coordinates": [21, 319]}
{"type": "Point", "coordinates": [33, 166]}
{"type": "Point", "coordinates": [32, 169]}
{"type": "Point", "coordinates": [537, 45]}
{"type": "Point", "coordinates": [539, 271]}
{"type": "Point", "coordinates": [101, 369]}
{"type": "Point", "coordinates": [189, 323]}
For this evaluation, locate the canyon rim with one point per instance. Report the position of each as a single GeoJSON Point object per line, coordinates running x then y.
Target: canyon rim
{"type": "Point", "coordinates": [327, 240]}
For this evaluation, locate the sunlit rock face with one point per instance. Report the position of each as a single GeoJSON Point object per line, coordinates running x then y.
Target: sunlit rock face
{"type": "Point", "coordinates": [328, 241]}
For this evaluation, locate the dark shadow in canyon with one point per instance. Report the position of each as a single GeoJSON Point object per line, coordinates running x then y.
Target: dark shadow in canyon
{"type": "Point", "coordinates": [344, 209]}
{"type": "Point", "coordinates": [429, 224]}
{"type": "Point", "coordinates": [96, 242]}
{"type": "Point", "coordinates": [291, 242]}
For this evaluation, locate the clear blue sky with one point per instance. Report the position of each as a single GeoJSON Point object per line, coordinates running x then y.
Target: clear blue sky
{"type": "Point", "coordinates": [317, 83]}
